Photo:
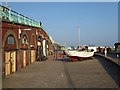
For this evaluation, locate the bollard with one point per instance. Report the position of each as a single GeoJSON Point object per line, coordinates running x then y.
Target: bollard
{"type": "Point", "coordinates": [59, 54]}
{"type": "Point", "coordinates": [62, 56]}
{"type": "Point", "coordinates": [56, 55]}
{"type": "Point", "coordinates": [117, 56]}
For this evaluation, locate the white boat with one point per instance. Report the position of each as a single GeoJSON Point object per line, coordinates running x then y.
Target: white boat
{"type": "Point", "coordinates": [76, 54]}
{"type": "Point", "coordinates": [79, 54]}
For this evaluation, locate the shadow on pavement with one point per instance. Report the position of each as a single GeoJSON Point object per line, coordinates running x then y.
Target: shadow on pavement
{"type": "Point", "coordinates": [75, 60]}
{"type": "Point", "coordinates": [112, 69]}
{"type": "Point", "coordinates": [62, 59]}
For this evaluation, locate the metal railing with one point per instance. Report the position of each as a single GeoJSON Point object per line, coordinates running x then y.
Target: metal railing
{"type": "Point", "coordinates": [12, 16]}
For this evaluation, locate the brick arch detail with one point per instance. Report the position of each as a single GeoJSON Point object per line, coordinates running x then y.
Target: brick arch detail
{"type": "Point", "coordinates": [10, 32]}
{"type": "Point", "coordinates": [34, 38]}
{"type": "Point", "coordinates": [24, 33]}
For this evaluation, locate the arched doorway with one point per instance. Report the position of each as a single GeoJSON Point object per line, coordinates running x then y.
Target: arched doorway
{"type": "Point", "coordinates": [10, 62]}
{"type": "Point", "coordinates": [24, 52]}
{"type": "Point", "coordinates": [10, 45]}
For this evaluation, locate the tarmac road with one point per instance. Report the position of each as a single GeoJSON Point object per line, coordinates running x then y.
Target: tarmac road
{"type": "Point", "coordinates": [59, 73]}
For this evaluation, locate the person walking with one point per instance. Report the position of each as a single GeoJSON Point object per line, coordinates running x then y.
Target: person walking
{"type": "Point", "coordinates": [117, 53]}
{"type": "Point", "coordinates": [105, 51]}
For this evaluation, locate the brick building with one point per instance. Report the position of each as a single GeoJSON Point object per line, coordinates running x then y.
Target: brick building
{"type": "Point", "coordinates": [23, 41]}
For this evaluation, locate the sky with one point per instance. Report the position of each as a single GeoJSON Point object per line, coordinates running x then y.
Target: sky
{"type": "Point", "coordinates": [98, 21]}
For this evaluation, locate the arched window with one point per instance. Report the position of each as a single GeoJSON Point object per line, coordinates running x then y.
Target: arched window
{"type": "Point", "coordinates": [24, 40]}
{"type": "Point", "coordinates": [10, 39]}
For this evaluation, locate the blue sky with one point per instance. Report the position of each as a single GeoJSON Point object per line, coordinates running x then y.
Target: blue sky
{"type": "Point", "coordinates": [98, 21]}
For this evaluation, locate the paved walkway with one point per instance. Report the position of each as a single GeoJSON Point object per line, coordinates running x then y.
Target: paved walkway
{"type": "Point", "coordinates": [60, 73]}
{"type": "Point", "coordinates": [38, 75]}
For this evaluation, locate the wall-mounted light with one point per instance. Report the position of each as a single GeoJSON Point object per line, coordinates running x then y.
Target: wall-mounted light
{"type": "Point", "coordinates": [19, 33]}
{"type": "Point", "coordinates": [27, 29]}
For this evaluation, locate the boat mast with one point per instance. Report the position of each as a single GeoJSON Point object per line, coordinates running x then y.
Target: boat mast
{"type": "Point", "coordinates": [79, 38]}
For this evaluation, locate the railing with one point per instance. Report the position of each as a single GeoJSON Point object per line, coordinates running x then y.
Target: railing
{"type": "Point", "coordinates": [12, 16]}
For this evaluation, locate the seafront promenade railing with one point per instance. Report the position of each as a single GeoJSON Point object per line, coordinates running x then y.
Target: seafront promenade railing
{"type": "Point", "coordinates": [12, 16]}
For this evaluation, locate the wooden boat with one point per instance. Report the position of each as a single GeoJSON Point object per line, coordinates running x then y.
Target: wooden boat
{"type": "Point", "coordinates": [79, 54]}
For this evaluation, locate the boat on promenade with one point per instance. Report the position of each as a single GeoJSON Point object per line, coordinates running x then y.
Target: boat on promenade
{"type": "Point", "coordinates": [80, 55]}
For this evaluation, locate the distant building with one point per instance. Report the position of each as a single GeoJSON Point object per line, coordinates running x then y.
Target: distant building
{"type": "Point", "coordinates": [92, 48]}
{"type": "Point", "coordinates": [71, 48]}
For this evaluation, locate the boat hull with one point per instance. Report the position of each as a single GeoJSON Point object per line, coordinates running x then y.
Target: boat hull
{"type": "Point", "coordinates": [80, 55]}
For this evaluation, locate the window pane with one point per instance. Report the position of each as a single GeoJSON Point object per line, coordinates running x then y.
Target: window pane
{"type": "Point", "coordinates": [10, 40]}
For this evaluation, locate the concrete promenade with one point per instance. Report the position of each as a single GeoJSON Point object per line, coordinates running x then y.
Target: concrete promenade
{"type": "Point", "coordinates": [59, 73]}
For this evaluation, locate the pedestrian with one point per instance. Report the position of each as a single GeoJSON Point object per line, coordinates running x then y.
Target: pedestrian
{"type": "Point", "coordinates": [117, 53]}
{"type": "Point", "coordinates": [105, 51]}
{"type": "Point", "coordinates": [56, 52]}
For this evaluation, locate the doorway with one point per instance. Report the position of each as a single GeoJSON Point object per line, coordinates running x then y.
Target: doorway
{"type": "Point", "coordinates": [33, 56]}
{"type": "Point", "coordinates": [10, 62]}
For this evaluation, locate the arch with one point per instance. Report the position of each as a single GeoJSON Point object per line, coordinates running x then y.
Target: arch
{"type": "Point", "coordinates": [24, 33]}
{"type": "Point", "coordinates": [39, 49]}
{"type": "Point", "coordinates": [34, 39]}
{"type": "Point", "coordinates": [24, 54]}
{"type": "Point", "coordinates": [6, 55]}
{"type": "Point", "coordinates": [10, 32]}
